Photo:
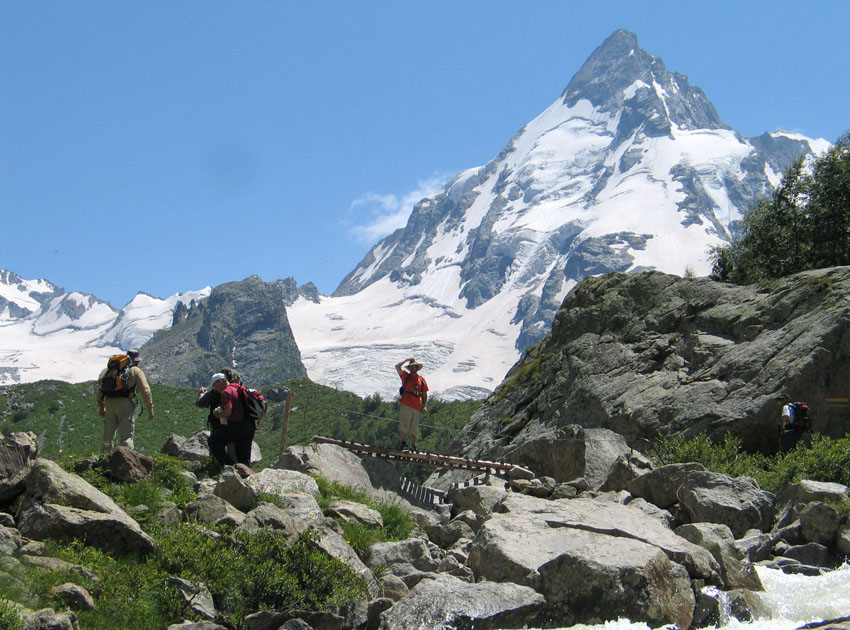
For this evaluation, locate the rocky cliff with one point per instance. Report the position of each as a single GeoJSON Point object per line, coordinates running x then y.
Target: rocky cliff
{"type": "Point", "coordinates": [652, 354]}
{"type": "Point", "coordinates": [242, 325]}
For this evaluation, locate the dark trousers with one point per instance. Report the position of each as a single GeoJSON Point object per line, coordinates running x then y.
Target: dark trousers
{"type": "Point", "coordinates": [790, 437]}
{"type": "Point", "coordinates": [242, 436]}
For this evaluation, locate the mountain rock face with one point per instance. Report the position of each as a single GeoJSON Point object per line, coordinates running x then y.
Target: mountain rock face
{"type": "Point", "coordinates": [631, 168]}
{"type": "Point", "coordinates": [651, 354]}
{"type": "Point", "coordinates": [241, 325]}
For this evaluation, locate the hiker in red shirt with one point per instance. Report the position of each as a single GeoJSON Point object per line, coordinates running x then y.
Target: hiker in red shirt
{"type": "Point", "coordinates": [414, 401]}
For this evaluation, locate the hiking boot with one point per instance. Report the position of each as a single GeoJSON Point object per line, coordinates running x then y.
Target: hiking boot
{"type": "Point", "coordinates": [243, 470]}
{"type": "Point", "coordinates": [404, 446]}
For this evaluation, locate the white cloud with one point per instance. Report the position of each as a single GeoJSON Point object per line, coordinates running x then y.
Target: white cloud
{"type": "Point", "coordinates": [378, 215]}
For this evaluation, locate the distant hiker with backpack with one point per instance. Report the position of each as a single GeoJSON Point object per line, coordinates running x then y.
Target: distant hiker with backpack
{"type": "Point", "coordinates": [237, 426]}
{"type": "Point", "coordinates": [414, 401]}
{"type": "Point", "coordinates": [794, 420]}
{"type": "Point", "coordinates": [116, 398]}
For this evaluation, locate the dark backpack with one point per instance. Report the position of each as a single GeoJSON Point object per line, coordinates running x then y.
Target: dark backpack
{"type": "Point", "coordinates": [800, 416]}
{"type": "Point", "coordinates": [116, 381]}
{"type": "Point", "coordinates": [255, 404]}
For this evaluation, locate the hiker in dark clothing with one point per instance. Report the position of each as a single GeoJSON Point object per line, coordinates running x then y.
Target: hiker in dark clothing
{"type": "Point", "coordinates": [236, 427]}
{"type": "Point", "coordinates": [792, 429]}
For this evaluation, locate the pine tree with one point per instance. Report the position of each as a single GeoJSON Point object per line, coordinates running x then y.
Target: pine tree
{"type": "Point", "coordinates": [804, 225]}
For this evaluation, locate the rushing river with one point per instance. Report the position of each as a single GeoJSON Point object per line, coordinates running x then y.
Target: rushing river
{"type": "Point", "coordinates": [794, 600]}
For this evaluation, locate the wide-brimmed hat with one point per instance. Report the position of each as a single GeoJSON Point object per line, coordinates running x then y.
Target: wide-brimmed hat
{"type": "Point", "coordinates": [415, 364]}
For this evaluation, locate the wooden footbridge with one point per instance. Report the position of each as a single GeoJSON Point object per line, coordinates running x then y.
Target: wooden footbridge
{"type": "Point", "coordinates": [423, 494]}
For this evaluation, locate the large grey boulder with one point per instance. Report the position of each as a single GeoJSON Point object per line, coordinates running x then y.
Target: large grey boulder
{"type": "Point", "coordinates": [736, 571]}
{"type": "Point", "coordinates": [807, 491]}
{"type": "Point", "coordinates": [375, 476]}
{"type": "Point", "coordinates": [235, 490]}
{"type": "Point", "coordinates": [58, 504]}
{"type": "Point", "coordinates": [602, 449]}
{"type": "Point", "coordinates": [624, 470]}
{"type": "Point", "coordinates": [333, 544]}
{"type": "Point", "coordinates": [125, 465]}
{"type": "Point", "coordinates": [660, 486]}
{"type": "Point", "coordinates": [413, 552]}
{"type": "Point", "coordinates": [481, 499]}
{"type": "Point", "coordinates": [196, 595]}
{"type": "Point", "coordinates": [17, 453]}
{"type": "Point", "coordinates": [738, 502]}
{"type": "Point", "coordinates": [819, 523]}
{"type": "Point", "coordinates": [208, 508]}
{"type": "Point", "coordinates": [114, 532]}
{"type": "Point", "coordinates": [356, 512]}
{"type": "Point", "coordinates": [592, 560]}
{"type": "Point", "coordinates": [446, 601]}
{"type": "Point", "coordinates": [268, 515]}
{"type": "Point", "coordinates": [300, 505]}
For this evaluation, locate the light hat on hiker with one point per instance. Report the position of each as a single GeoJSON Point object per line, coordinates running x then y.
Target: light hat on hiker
{"type": "Point", "coordinates": [415, 364]}
{"type": "Point", "coordinates": [216, 377]}
{"type": "Point", "coordinates": [133, 353]}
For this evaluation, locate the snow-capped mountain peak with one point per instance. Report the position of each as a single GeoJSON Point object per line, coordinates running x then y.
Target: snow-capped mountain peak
{"type": "Point", "coordinates": [630, 168]}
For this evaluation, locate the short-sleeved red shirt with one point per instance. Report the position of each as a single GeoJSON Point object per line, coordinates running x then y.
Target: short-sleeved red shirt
{"type": "Point", "coordinates": [414, 387]}
{"type": "Point", "coordinates": [230, 400]}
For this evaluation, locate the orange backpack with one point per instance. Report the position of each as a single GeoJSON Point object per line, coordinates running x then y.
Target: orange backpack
{"type": "Point", "coordinates": [116, 380]}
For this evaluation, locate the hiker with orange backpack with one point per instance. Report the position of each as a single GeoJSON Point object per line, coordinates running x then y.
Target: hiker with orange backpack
{"type": "Point", "coordinates": [414, 401]}
{"type": "Point", "coordinates": [116, 398]}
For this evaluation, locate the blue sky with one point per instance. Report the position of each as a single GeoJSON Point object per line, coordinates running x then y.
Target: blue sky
{"type": "Point", "coordinates": [163, 146]}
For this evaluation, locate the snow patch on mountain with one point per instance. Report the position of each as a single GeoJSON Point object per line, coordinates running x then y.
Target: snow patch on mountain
{"type": "Point", "coordinates": [353, 342]}
{"type": "Point", "coordinates": [69, 336]}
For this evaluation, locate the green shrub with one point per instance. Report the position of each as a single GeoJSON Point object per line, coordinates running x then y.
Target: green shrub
{"type": "Point", "coordinates": [724, 457]}
{"type": "Point", "coordinates": [9, 618]}
{"type": "Point", "coordinates": [826, 459]}
{"type": "Point", "coordinates": [398, 523]}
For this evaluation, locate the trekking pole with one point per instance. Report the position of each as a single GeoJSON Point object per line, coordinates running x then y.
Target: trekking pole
{"type": "Point", "coordinates": [285, 427]}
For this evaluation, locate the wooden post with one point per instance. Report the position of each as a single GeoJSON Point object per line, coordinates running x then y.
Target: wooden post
{"type": "Point", "coordinates": [285, 427]}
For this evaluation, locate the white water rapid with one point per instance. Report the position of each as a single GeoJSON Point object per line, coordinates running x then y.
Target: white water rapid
{"type": "Point", "coordinates": [794, 600]}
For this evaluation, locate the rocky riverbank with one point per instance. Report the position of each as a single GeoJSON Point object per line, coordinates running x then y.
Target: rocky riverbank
{"type": "Point", "coordinates": [633, 541]}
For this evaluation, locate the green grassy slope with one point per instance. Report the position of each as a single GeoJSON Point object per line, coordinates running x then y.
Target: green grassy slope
{"type": "Point", "coordinates": [64, 416]}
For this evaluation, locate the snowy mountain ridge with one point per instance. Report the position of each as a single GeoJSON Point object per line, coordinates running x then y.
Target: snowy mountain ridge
{"type": "Point", "coordinates": [48, 333]}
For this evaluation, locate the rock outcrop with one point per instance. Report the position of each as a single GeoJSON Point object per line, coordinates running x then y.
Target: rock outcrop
{"type": "Point", "coordinates": [650, 354]}
{"type": "Point", "coordinates": [240, 323]}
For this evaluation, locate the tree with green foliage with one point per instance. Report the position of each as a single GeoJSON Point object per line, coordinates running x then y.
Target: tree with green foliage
{"type": "Point", "coordinates": [804, 225]}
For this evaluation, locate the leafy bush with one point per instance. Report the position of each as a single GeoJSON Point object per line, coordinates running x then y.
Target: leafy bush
{"type": "Point", "coordinates": [826, 459]}
{"type": "Point", "coordinates": [9, 618]}
{"type": "Point", "coordinates": [258, 570]}
{"type": "Point", "coordinates": [724, 457]}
